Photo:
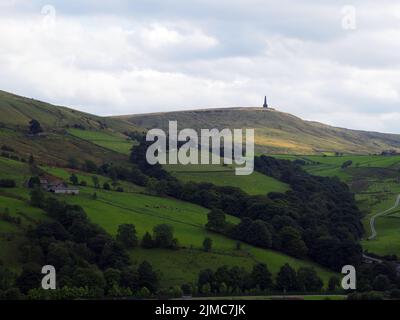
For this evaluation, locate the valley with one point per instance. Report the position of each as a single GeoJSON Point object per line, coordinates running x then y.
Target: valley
{"type": "Point", "coordinates": [75, 144]}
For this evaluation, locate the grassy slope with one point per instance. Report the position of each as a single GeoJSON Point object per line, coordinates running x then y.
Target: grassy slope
{"type": "Point", "coordinates": [16, 202]}
{"type": "Point", "coordinates": [112, 141]}
{"type": "Point", "coordinates": [276, 132]}
{"type": "Point", "coordinates": [256, 183]}
{"type": "Point", "coordinates": [17, 111]}
{"type": "Point", "coordinates": [112, 208]}
{"type": "Point", "coordinates": [374, 179]}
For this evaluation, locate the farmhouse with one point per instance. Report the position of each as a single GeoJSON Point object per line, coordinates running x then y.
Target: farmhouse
{"type": "Point", "coordinates": [64, 190]}
{"type": "Point", "coordinates": [53, 184]}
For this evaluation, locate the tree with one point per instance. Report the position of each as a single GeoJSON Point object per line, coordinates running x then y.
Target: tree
{"type": "Point", "coordinates": [147, 241]}
{"type": "Point", "coordinates": [35, 127]}
{"type": "Point", "coordinates": [91, 278]}
{"type": "Point", "coordinates": [261, 276]}
{"type": "Point", "coordinates": [346, 164]}
{"type": "Point", "coordinates": [216, 220]}
{"type": "Point", "coordinates": [147, 277]}
{"type": "Point", "coordinates": [96, 183]}
{"type": "Point", "coordinates": [37, 197]}
{"type": "Point", "coordinates": [7, 278]}
{"type": "Point", "coordinates": [73, 163]}
{"type": "Point", "coordinates": [112, 277]}
{"type": "Point", "coordinates": [106, 186]}
{"type": "Point", "coordinates": [206, 277]}
{"type": "Point", "coordinates": [74, 179]}
{"type": "Point", "coordinates": [127, 235]}
{"type": "Point", "coordinates": [163, 235]}
{"type": "Point", "coordinates": [207, 244]}
{"type": "Point", "coordinates": [333, 283]}
{"type": "Point", "coordinates": [258, 234]}
{"type": "Point", "coordinates": [292, 242]}
{"type": "Point", "coordinates": [381, 283]}
{"type": "Point", "coordinates": [286, 279]}
{"type": "Point", "coordinates": [33, 182]}
{"type": "Point", "coordinates": [30, 277]}
{"type": "Point", "coordinates": [308, 280]}
{"type": "Point", "coordinates": [90, 166]}
{"type": "Point", "coordinates": [130, 278]}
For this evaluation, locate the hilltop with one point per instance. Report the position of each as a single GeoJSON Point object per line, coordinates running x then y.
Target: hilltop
{"type": "Point", "coordinates": [276, 132]}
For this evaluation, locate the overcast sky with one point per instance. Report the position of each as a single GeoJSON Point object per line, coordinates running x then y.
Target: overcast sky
{"type": "Point", "coordinates": [334, 62]}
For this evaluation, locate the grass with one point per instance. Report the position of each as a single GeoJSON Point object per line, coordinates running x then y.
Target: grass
{"type": "Point", "coordinates": [374, 179]}
{"type": "Point", "coordinates": [64, 174]}
{"type": "Point", "coordinates": [112, 141]}
{"type": "Point", "coordinates": [255, 183]}
{"type": "Point", "coordinates": [15, 170]}
{"type": "Point", "coordinates": [110, 209]}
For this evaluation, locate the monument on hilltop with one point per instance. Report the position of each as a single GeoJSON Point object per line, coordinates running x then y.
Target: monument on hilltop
{"type": "Point", "coordinates": [265, 105]}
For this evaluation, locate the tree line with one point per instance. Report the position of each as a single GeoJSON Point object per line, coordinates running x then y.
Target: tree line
{"type": "Point", "coordinates": [317, 218]}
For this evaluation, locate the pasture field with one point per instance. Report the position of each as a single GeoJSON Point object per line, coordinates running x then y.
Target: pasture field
{"type": "Point", "coordinates": [112, 141]}
{"type": "Point", "coordinates": [375, 181]}
{"type": "Point", "coordinates": [110, 209]}
{"type": "Point", "coordinates": [255, 183]}
{"type": "Point", "coordinates": [15, 170]}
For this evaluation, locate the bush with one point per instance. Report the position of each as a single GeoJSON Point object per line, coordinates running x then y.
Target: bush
{"type": "Point", "coordinates": [207, 244]}
{"type": "Point", "coordinates": [147, 241]}
{"type": "Point", "coordinates": [106, 186]}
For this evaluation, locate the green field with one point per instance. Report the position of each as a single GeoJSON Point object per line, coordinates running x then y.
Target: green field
{"type": "Point", "coordinates": [110, 209]}
{"type": "Point", "coordinates": [255, 183]}
{"type": "Point", "coordinates": [112, 141]}
{"type": "Point", "coordinates": [375, 181]}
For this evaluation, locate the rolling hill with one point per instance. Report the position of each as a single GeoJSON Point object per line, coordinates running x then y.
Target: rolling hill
{"type": "Point", "coordinates": [276, 132]}
{"type": "Point", "coordinates": [84, 136]}
{"type": "Point", "coordinates": [70, 133]}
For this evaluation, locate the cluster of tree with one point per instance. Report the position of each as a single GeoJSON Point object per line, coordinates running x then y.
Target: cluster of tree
{"type": "Point", "coordinates": [237, 280]}
{"type": "Point", "coordinates": [318, 218]}
{"type": "Point", "coordinates": [346, 164]}
{"type": "Point", "coordinates": [163, 237]}
{"type": "Point", "coordinates": [113, 171]}
{"type": "Point", "coordinates": [87, 259]}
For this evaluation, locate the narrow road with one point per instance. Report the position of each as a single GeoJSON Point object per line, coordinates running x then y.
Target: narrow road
{"type": "Point", "coordinates": [372, 220]}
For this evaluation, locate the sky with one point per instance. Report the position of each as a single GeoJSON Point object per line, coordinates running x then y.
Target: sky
{"type": "Point", "coordinates": [330, 61]}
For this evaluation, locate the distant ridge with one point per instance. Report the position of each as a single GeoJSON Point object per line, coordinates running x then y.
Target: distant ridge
{"type": "Point", "coordinates": [276, 132]}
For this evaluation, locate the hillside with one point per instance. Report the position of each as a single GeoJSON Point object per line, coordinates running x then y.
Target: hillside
{"type": "Point", "coordinates": [276, 132]}
{"type": "Point", "coordinates": [84, 136]}
{"type": "Point", "coordinates": [111, 208]}
{"type": "Point", "coordinates": [67, 134]}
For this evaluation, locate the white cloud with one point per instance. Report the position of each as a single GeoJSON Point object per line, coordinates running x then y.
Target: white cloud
{"type": "Point", "coordinates": [167, 55]}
